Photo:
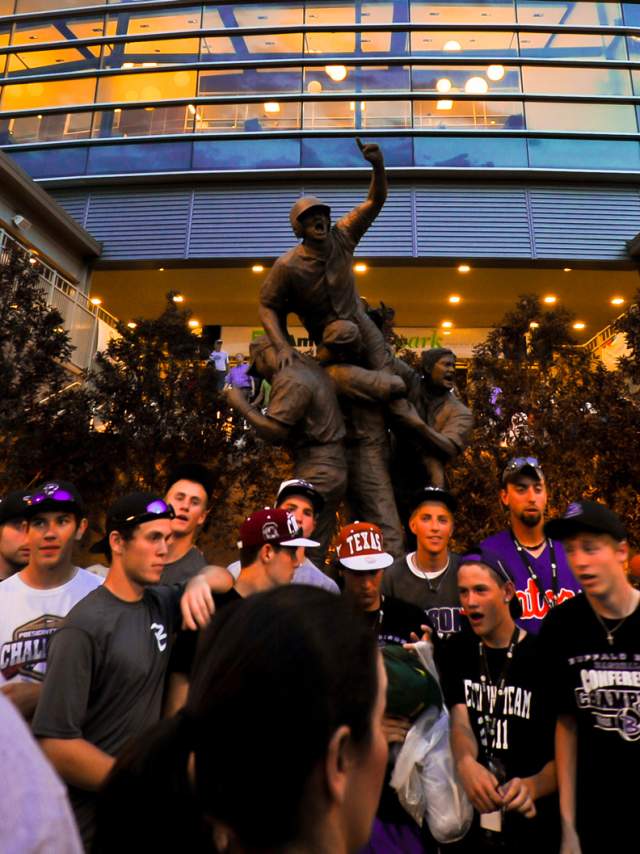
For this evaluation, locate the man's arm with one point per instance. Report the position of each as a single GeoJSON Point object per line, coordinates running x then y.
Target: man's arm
{"type": "Point", "coordinates": [479, 783]}
{"type": "Point", "coordinates": [78, 762]}
{"type": "Point", "coordinates": [267, 428]}
{"type": "Point", "coordinates": [197, 603]}
{"type": "Point", "coordinates": [566, 760]}
{"type": "Point", "coordinates": [361, 217]}
{"type": "Point", "coordinates": [520, 793]}
{"type": "Point", "coordinates": [24, 696]}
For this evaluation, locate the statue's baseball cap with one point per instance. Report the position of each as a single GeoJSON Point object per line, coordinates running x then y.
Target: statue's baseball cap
{"type": "Point", "coordinates": [52, 496]}
{"type": "Point", "coordinates": [298, 486]}
{"type": "Point", "coordinates": [485, 557]}
{"type": "Point", "coordinates": [12, 506]}
{"type": "Point", "coordinates": [586, 516]}
{"type": "Point", "coordinates": [131, 510]}
{"type": "Point", "coordinates": [433, 495]}
{"type": "Point", "coordinates": [522, 465]}
{"type": "Point", "coordinates": [276, 527]}
{"type": "Point", "coordinates": [361, 547]}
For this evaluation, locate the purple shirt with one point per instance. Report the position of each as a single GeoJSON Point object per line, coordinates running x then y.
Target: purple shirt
{"type": "Point", "coordinates": [534, 607]}
{"type": "Point", "coordinates": [239, 377]}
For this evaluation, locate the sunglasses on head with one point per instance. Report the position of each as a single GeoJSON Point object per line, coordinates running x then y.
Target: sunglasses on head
{"type": "Point", "coordinates": [157, 507]}
{"type": "Point", "coordinates": [519, 462]}
{"type": "Point", "coordinates": [62, 495]}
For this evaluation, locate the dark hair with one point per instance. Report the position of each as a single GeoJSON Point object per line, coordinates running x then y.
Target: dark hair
{"type": "Point", "coordinates": [126, 532]}
{"type": "Point", "coordinates": [249, 554]}
{"type": "Point", "coordinates": [277, 674]}
{"type": "Point", "coordinates": [196, 473]}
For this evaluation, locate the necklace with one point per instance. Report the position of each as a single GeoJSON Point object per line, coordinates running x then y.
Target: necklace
{"type": "Point", "coordinates": [432, 583]}
{"type": "Point", "coordinates": [549, 601]}
{"type": "Point", "coordinates": [611, 631]}
{"type": "Point", "coordinates": [530, 548]}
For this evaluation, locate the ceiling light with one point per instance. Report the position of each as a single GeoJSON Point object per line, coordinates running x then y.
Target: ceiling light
{"type": "Point", "coordinates": [132, 325]}
{"type": "Point", "coordinates": [568, 269]}
{"type": "Point", "coordinates": [127, 65]}
{"type": "Point", "coordinates": [360, 268]}
{"type": "Point", "coordinates": [161, 269]}
{"type": "Point", "coordinates": [495, 72]}
{"type": "Point", "coordinates": [336, 72]}
{"type": "Point", "coordinates": [258, 268]}
{"type": "Point", "coordinates": [446, 324]}
{"type": "Point", "coordinates": [177, 298]}
{"type": "Point", "coordinates": [443, 85]}
{"type": "Point", "coordinates": [617, 300]}
{"type": "Point", "coordinates": [579, 325]}
{"type": "Point", "coordinates": [194, 324]}
{"type": "Point", "coordinates": [454, 299]}
{"type": "Point", "coordinates": [534, 325]}
{"type": "Point", "coordinates": [464, 268]}
{"type": "Point", "coordinates": [444, 105]}
{"type": "Point", "coordinates": [476, 86]}
{"type": "Point", "coordinates": [314, 86]}
{"type": "Point", "coordinates": [447, 332]}
{"type": "Point", "coordinates": [550, 299]}
{"type": "Point", "coordinates": [452, 45]}
{"type": "Point", "coordinates": [272, 107]}
{"type": "Point", "coordinates": [191, 109]}
{"type": "Point", "coordinates": [95, 301]}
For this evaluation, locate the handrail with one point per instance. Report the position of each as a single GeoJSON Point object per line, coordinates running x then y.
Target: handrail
{"type": "Point", "coordinates": [604, 335]}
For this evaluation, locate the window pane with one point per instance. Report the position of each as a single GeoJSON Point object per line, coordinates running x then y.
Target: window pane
{"type": "Point", "coordinates": [343, 151]}
{"type": "Point", "coordinates": [357, 114]}
{"type": "Point", "coordinates": [250, 80]}
{"type": "Point", "coordinates": [152, 53]}
{"type": "Point", "coordinates": [584, 154]}
{"type": "Point", "coordinates": [53, 5]}
{"type": "Point", "coordinates": [121, 88]}
{"type": "Point", "coordinates": [463, 12]}
{"type": "Point", "coordinates": [472, 78]}
{"type": "Point", "coordinates": [144, 22]}
{"type": "Point", "coordinates": [143, 122]}
{"type": "Point", "coordinates": [52, 162]}
{"type": "Point", "coordinates": [145, 157]}
{"type": "Point", "coordinates": [465, 152]}
{"type": "Point", "coordinates": [356, 43]}
{"type": "Point", "coordinates": [270, 115]}
{"type": "Point", "coordinates": [631, 14]}
{"type": "Point", "coordinates": [571, 46]}
{"type": "Point", "coordinates": [594, 118]}
{"type": "Point", "coordinates": [569, 14]}
{"type": "Point", "coordinates": [245, 15]}
{"type": "Point", "coordinates": [425, 43]}
{"type": "Point", "coordinates": [577, 81]}
{"type": "Point", "coordinates": [6, 7]}
{"type": "Point", "coordinates": [27, 96]}
{"type": "Point", "coordinates": [56, 61]}
{"type": "Point", "coordinates": [49, 128]}
{"type": "Point", "coordinates": [381, 12]}
{"type": "Point", "coordinates": [225, 155]}
{"type": "Point", "coordinates": [4, 41]}
{"type": "Point", "coordinates": [633, 46]}
{"type": "Point", "coordinates": [468, 115]}
{"type": "Point", "coordinates": [353, 78]}
{"type": "Point", "coordinates": [59, 30]}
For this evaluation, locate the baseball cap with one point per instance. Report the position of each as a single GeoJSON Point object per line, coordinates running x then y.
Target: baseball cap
{"type": "Point", "coordinates": [276, 527]}
{"type": "Point", "coordinates": [195, 472]}
{"type": "Point", "coordinates": [131, 510]}
{"type": "Point", "coordinates": [297, 486]}
{"type": "Point", "coordinates": [54, 495]}
{"type": "Point", "coordinates": [586, 516]}
{"type": "Point", "coordinates": [433, 495]}
{"type": "Point", "coordinates": [519, 465]}
{"type": "Point", "coordinates": [360, 546]}
{"type": "Point", "coordinates": [12, 506]}
{"type": "Point", "coordinates": [488, 558]}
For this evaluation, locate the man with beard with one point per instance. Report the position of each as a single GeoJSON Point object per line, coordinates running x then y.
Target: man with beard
{"type": "Point", "coordinates": [536, 563]}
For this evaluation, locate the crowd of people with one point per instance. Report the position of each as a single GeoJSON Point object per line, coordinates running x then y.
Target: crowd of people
{"type": "Point", "coordinates": [193, 707]}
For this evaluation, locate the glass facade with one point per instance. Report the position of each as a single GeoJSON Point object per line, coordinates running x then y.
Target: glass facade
{"type": "Point", "coordinates": [495, 84]}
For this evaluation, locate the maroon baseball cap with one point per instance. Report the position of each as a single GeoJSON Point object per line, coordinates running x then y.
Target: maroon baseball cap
{"type": "Point", "coordinates": [277, 527]}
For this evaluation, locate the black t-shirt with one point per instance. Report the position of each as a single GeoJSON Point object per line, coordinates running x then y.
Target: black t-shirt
{"type": "Point", "coordinates": [599, 684]}
{"type": "Point", "coordinates": [394, 621]}
{"type": "Point", "coordinates": [186, 645]}
{"type": "Point", "coordinates": [105, 675]}
{"type": "Point", "coordinates": [524, 723]}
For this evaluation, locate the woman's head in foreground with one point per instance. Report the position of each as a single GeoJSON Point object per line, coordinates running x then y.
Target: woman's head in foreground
{"type": "Point", "coordinates": [284, 723]}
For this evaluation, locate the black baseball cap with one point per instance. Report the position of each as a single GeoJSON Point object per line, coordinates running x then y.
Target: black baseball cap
{"type": "Point", "coordinates": [522, 465]}
{"type": "Point", "coordinates": [12, 506]}
{"type": "Point", "coordinates": [54, 495]}
{"type": "Point", "coordinates": [297, 486]}
{"type": "Point", "coordinates": [433, 495]}
{"type": "Point", "coordinates": [586, 516]}
{"type": "Point", "coordinates": [131, 510]}
{"type": "Point", "coordinates": [196, 473]}
{"type": "Point", "coordinates": [478, 554]}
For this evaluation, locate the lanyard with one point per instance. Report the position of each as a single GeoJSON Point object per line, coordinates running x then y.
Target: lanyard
{"type": "Point", "coordinates": [491, 717]}
{"type": "Point", "coordinates": [524, 557]}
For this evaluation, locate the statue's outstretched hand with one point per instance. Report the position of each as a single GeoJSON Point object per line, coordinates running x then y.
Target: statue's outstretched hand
{"type": "Point", "coordinates": [370, 152]}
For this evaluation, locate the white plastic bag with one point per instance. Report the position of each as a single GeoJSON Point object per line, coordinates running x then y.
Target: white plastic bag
{"type": "Point", "coordinates": [424, 774]}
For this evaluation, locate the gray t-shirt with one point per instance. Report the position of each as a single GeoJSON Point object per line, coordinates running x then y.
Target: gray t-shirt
{"type": "Point", "coordinates": [105, 676]}
{"type": "Point", "coordinates": [180, 571]}
{"type": "Point", "coordinates": [438, 597]}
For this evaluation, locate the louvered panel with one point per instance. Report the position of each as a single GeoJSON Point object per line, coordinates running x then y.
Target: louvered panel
{"type": "Point", "coordinates": [76, 204]}
{"type": "Point", "coordinates": [241, 223]}
{"type": "Point", "coordinates": [140, 224]}
{"type": "Point", "coordinates": [589, 223]}
{"type": "Point", "coordinates": [472, 222]}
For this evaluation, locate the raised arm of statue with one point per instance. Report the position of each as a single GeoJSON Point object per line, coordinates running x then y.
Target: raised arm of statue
{"type": "Point", "coordinates": [357, 221]}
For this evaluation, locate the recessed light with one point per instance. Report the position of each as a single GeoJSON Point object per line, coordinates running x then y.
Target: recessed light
{"type": "Point", "coordinates": [550, 299]}
{"type": "Point", "coordinates": [447, 332]}
{"type": "Point", "coordinates": [454, 299]}
{"type": "Point", "coordinates": [132, 325]}
{"type": "Point", "coordinates": [272, 107]}
{"type": "Point", "coordinates": [617, 300]}
{"type": "Point", "coordinates": [194, 324]}
{"type": "Point", "coordinates": [444, 104]}
{"type": "Point", "coordinates": [567, 269]}
{"type": "Point", "coordinates": [336, 72]}
{"type": "Point", "coordinates": [579, 325]}
{"type": "Point", "coordinates": [443, 85]}
{"type": "Point", "coordinates": [452, 45]}
{"type": "Point", "coordinates": [464, 268]}
{"type": "Point", "coordinates": [258, 268]}
{"type": "Point", "coordinates": [534, 325]}
{"type": "Point", "coordinates": [360, 268]}
{"type": "Point", "coordinates": [95, 301]}
{"type": "Point", "coordinates": [177, 298]}
{"type": "Point", "coordinates": [446, 324]}
{"type": "Point", "coordinates": [161, 269]}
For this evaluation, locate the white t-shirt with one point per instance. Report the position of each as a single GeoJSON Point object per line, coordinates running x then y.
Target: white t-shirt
{"type": "Point", "coordinates": [220, 359]}
{"type": "Point", "coordinates": [28, 619]}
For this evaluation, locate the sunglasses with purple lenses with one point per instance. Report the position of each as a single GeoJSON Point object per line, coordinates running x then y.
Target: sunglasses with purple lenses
{"type": "Point", "coordinates": [56, 495]}
{"type": "Point", "coordinates": [157, 507]}
{"type": "Point", "coordinates": [519, 462]}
